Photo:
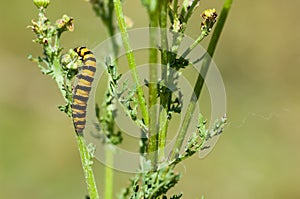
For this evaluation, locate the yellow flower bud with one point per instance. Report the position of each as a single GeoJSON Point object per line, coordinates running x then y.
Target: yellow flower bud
{"type": "Point", "coordinates": [210, 14]}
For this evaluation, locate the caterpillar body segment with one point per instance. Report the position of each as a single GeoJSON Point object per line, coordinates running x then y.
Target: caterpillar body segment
{"type": "Point", "coordinates": [82, 90]}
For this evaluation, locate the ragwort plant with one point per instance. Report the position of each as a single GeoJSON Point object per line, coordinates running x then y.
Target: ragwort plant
{"type": "Point", "coordinates": [157, 174]}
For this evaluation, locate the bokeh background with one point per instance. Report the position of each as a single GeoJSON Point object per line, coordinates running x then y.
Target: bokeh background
{"type": "Point", "coordinates": [257, 156]}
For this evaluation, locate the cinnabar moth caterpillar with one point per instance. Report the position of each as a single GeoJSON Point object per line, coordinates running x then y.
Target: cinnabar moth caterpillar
{"type": "Point", "coordinates": [82, 89]}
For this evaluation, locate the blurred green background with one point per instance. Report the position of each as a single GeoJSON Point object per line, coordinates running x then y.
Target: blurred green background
{"type": "Point", "coordinates": [257, 156]}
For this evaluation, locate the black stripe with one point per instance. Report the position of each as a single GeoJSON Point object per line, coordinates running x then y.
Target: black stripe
{"type": "Point", "coordinates": [90, 59]}
{"type": "Point", "coordinates": [81, 48]}
{"type": "Point", "coordinates": [79, 115]}
{"type": "Point", "coordinates": [80, 122]}
{"type": "Point", "coordinates": [87, 78]}
{"type": "Point", "coordinates": [78, 107]}
{"type": "Point", "coordinates": [81, 98]}
{"type": "Point", "coordinates": [87, 52]}
{"type": "Point", "coordinates": [90, 68]}
{"type": "Point", "coordinates": [76, 49]}
{"type": "Point", "coordinates": [84, 88]}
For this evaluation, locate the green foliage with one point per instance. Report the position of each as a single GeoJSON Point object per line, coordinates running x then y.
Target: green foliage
{"type": "Point", "coordinates": [109, 110]}
{"type": "Point", "coordinates": [152, 183]}
{"type": "Point", "coordinates": [157, 175]}
{"type": "Point", "coordinates": [198, 139]}
{"type": "Point", "coordinates": [61, 68]}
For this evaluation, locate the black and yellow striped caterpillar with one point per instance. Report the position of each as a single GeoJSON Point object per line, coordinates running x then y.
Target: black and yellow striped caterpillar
{"type": "Point", "coordinates": [82, 90]}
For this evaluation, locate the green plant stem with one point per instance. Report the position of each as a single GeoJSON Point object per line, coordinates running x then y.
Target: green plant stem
{"type": "Point", "coordinates": [87, 162]}
{"type": "Point", "coordinates": [109, 152]}
{"type": "Point", "coordinates": [200, 80]}
{"type": "Point", "coordinates": [167, 76]}
{"type": "Point", "coordinates": [163, 113]}
{"type": "Point", "coordinates": [196, 42]}
{"type": "Point", "coordinates": [190, 10]}
{"type": "Point", "coordinates": [109, 172]}
{"type": "Point", "coordinates": [175, 6]}
{"type": "Point", "coordinates": [109, 22]}
{"type": "Point", "coordinates": [131, 60]}
{"type": "Point", "coordinates": [153, 134]}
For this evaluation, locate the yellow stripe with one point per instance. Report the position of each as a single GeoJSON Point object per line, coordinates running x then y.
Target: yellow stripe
{"type": "Point", "coordinates": [84, 50]}
{"type": "Point", "coordinates": [76, 119]}
{"type": "Point", "coordinates": [82, 93]}
{"type": "Point", "coordinates": [83, 82]}
{"type": "Point", "coordinates": [88, 55]}
{"type": "Point", "coordinates": [88, 73]}
{"type": "Point", "coordinates": [89, 63]}
{"type": "Point", "coordinates": [79, 127]}
{"type": "Point", "coordinates": [75, 111]}
{"type": "Point", "coordinates": [79, 102]}
{"type": "Point", "coordinates": [78, 94]}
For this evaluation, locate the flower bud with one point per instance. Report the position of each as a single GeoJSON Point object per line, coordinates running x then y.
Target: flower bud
{"type": "Point", "coordinates": [209, 14]}
{"type": "Point", "coordinates": [65, 23]}
{"type": "Point", "coordinates": [209, 19]}
{"type": "Point", "coordinates": [41, 3]}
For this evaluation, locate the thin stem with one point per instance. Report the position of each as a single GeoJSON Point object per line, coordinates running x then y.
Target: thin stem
{"type": "Point", "coordinates": [109, 21]}
{"type": "Point", "coordinates": [87, 162]}
{"type": "Point", "coordinates": [153, 142]}
{"type": "Point", "coordinates": [175, 6]}
{"type": "Point", "coordinates": [107, 18]}
{"type": "Point", "coordinates": [190, 9]}
{"type": "Point", "coordinates": [196, 42]}
{"type": "Point", "coordinates": [163, 116]}
{"type": "Point", "coordinates": [131, 60]}
{"type": "Point", "coordinates": [109, 172]}
{"type": "Point", "coordinates": [200, 80]}
{"type": "Point", "coordinates": [168, 78]}
{"type": "Point", "coordinates": [109, 153]}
